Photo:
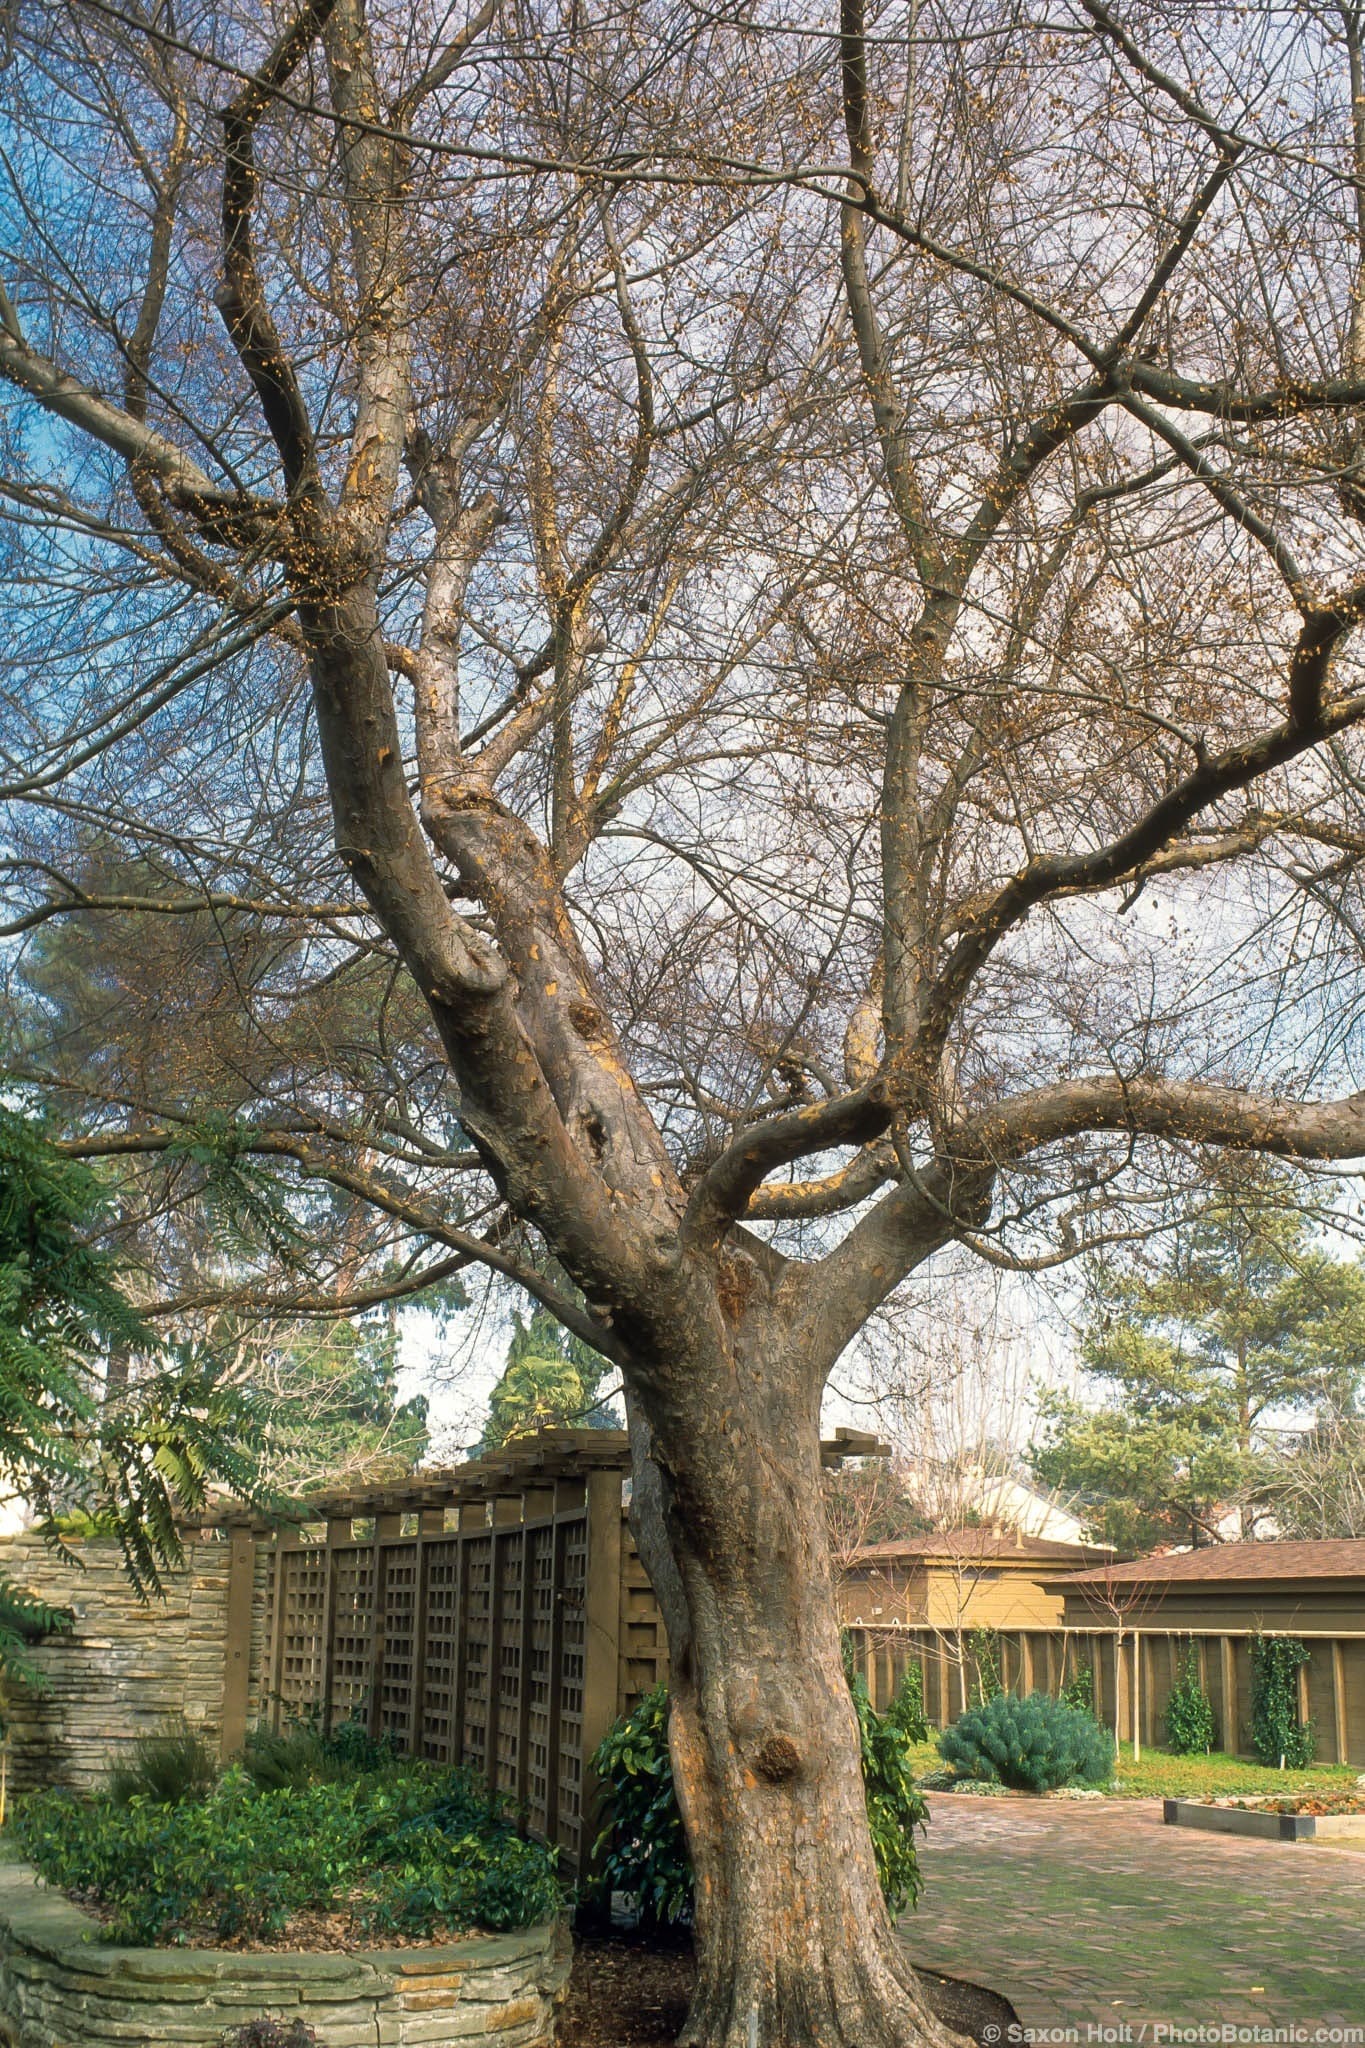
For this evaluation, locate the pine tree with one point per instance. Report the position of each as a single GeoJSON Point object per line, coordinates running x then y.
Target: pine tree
{"type": "Point", "coordinates": [1244, 1320]}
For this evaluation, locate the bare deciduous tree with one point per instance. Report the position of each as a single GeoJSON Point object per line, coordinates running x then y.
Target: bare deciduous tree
{"type": "Point", "coordinates": [795, 586]}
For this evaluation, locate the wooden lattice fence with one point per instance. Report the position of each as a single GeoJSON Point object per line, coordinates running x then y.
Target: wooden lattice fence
{"type": "Point", "coordinates": [495, 1616]}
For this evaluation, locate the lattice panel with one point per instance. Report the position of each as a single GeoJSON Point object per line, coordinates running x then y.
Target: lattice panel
{"type": "Point", "coordinates": [644, 1645]}
{"type": "Point", "coordinates": [466, 1640]}
{"type": "Point", "coordinates": [478, 1649]}
{"type": "Point", "coordinates": [352, 1631]}
{"type": "Point", "coordinates": [439, 1736]}
{"type": "Point", "coordinates": [540, 1593]}
{"type": "Point", "coordinates": [511, 1592]}
{"type": "Point", "coordinates": [573, 1637]}
{"type": "Point", "coordinates": [398, 1634]}
{"type": "Point", "coordinates": [303, 1588]}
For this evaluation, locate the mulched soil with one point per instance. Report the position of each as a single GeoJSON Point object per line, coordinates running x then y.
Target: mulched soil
{"type": "Point", "coordinates": [310, 1929]}
{"type": "Point", "coordinates": [631, 1991]}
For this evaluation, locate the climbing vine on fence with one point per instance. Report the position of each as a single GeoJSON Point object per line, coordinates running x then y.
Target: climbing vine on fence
{"type": "Point", "coordinates": [1190, 1726]}
{"type": "Point", "coordinates": [1278, 1736]}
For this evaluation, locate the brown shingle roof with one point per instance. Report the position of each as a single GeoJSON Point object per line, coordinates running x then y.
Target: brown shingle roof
{"type": "Point", "coordinates": [1341, 1558]}
{"type": "Point", "coordinates": [976, 1546]}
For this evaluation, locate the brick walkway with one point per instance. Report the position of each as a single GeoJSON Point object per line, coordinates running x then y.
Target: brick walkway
{"type": "Point", "coordinates": [1096, 1915]}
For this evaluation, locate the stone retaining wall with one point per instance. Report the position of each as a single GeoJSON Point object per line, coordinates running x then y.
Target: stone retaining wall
{"type": "Point", "coordinates": [61, 1988]}
{"type": "Point", "coordinates": [126, 1667]}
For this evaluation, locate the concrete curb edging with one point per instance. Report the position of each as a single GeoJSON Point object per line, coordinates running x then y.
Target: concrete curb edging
{"type": "Point", "coordinates": [1250, 1820]}
{"type": "Point", "coordinates": [61, 1987]}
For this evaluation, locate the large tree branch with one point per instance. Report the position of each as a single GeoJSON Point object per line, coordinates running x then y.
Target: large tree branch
{"type": "Point", "coordinates": [1308, 723]}
{"type": "Point", "coordinates": [888, 409]}
{"type": "Point", "coordinates": [67, 398]}
{"type": "Point", "coordinates": [315, 1163]}
{"type": "Point", "coordinates": [1194, 1111]}
{"type": "Point", "coordinates": [242, 301]}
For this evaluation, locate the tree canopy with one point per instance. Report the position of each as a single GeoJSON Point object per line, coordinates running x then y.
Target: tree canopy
{"type": "Point", "coordinates": [1239, 1326]}
{"type": "Point", "coordinates": [133, 1455]}
{"type": "Point", "coordinates": [735, 641]}
{"type": "Point", "coordinates": [552, 1379]}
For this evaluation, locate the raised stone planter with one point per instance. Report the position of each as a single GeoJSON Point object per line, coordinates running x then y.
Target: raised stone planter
{"type": "Point", "coordinates": [60, 1987]}
{"type": "Point", "coordinates": [1248, 1820]}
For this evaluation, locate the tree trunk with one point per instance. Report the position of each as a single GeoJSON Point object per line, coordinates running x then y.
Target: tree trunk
{"type": "Point", "coordinates": [795, 1948]}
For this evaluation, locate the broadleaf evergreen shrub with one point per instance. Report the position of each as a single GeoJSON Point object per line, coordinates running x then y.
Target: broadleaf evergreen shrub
{"type": "Point", "coordinates": [906, 1710]}
{"type": "Point", "coordinates": [895, 1806]}
{"type": "Point", "coordinates": [646, 1846]}
{"type": "Point", "coordinates": [1033, 1744]}
{"type": "Point", "coordinates": [1079, 1690]}
{"type": "Point", "coordinates": [644, 1839]}
{"type": "Point", "coordinates": [412, 1849]}
{"type": "Point", "coordinates": [1190, 1726]}
{"type": "Point", "coordinates": [1278, 1736]}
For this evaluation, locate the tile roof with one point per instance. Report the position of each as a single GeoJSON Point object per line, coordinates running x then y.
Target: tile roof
{"type": "Point", "coordinates": [1247, 1563]}
{"type": "Point", "coordinates": [976, 1546]}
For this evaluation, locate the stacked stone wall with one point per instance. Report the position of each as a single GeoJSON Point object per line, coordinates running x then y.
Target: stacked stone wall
{"type": "Point", "coordinates": [60, 1988]}
{"type": "Point", "coordinates": [127, 1667]}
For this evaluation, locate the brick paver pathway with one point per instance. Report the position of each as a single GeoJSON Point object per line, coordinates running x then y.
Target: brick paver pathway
{"type": "Point", "coordinates": [1095, 1915]}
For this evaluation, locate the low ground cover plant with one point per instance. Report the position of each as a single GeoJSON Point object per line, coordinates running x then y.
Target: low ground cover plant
{"type": "Point", "coordinates": [1317, 1803]}
{"type": "Point", "coordinates": [271, 2033]}
{"type": "Point", "coordinates": [1034, 1744]}
{"type": "Point", "coordinates": [646, 1848]}
{"type": "Point", "coordinates": [405, 1849]}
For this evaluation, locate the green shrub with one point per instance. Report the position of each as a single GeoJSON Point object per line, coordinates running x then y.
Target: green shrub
{"type": "Point", "coordinates": [894, 1807]}
{"type": "Point", "coordinates": [906, 1710]}
{"type": "Point", "coordinates": [1190, 1727]}
{"type": "Point", "coordinates": [1278, 1736]}
{"type": "Point", "coordinates": [1032, 1745]}
{"type": "Point", "coordinates": [407, 1849]}
{"type": "Point", "coordinates": [166, 1768]}
{"type": "Point", "coordinates": [644, 1840]}
{"type": "Point", "coordinates": [646, 1847]}
{"type": "Point", "coordinates": [276, 1759]}
{"type": "Point", "coordinates": [271, 2033]}
{"type": "Point", "coordinates": [1079, 1690]}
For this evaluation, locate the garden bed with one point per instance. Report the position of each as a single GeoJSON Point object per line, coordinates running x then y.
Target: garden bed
{"type": "Point", "coordinates": [631, 1990]}
{"type": "Point", "coordinates": [60, 1983]}
{"type": "Point", "coordinates": [1282, 1820]}
{"type": "Point", "coordinates": [313, 1851]}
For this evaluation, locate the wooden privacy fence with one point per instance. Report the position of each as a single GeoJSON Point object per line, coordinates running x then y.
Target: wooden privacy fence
{"type": "Point", "coordinates": [1132, 1675]}
{"type": "Point", "coordinates": [496, 1615]}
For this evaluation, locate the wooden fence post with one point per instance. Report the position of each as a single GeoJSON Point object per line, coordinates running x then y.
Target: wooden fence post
{"type": "Point", "coordinates": [386, 1527]}
{"type": "Point", "coordinates": [601, 1631]}
{"type": "Point", "coordinates": [237, 1642]}
{"type": "Point", "coordinates": [1227, 1657]}
{"type": "Point", "coordinates": [473, 1520]}
{"type": "Point", "coordinates": [430, 1522]}
{"type": "Point", "coordinates": [286, 1542]}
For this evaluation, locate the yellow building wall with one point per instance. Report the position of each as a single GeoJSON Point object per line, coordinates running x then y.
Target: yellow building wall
{"type": "Point", "coordinates": [964, 1599]}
